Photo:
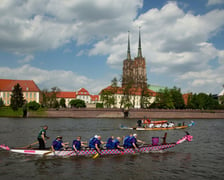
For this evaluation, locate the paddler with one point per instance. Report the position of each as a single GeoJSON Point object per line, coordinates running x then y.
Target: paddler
{"type": "Point", "coordinates": [77, 144]}
{"type": "Point", "coordinates": [42, 136]}
{"type": "Point", "coordinates": [134, 140]}
{"type": "Point", "coordinates": [95, 143]}
{"type": "Point", "coordinates": [116, 143]}
{"type": "Point", "coordinates": [109, 144]}
{"type": "Point", "coordinates": [57, 144]}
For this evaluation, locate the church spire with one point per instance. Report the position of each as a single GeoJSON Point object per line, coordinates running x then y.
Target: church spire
{"type": "Point", "coordinates": [128, 51]}
{"type": "Point", "coordinates": [139, 45]}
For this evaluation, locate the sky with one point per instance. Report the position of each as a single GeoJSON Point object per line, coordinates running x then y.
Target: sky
{"type": "Point", "coordinates": [75, 44]}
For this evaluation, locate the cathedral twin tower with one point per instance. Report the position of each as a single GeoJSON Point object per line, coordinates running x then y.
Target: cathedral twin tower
{"type": "Point", "coordinates": [134, 71]}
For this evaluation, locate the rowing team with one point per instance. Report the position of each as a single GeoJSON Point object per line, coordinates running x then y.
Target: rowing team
{"type": "Point", "coordinates": [95, 142]}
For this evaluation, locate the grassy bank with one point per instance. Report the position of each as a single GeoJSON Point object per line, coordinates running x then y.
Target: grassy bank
{"type": "Point", "coordinates": [8, 112]}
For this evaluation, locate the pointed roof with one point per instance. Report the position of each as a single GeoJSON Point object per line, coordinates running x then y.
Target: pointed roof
{"type": "Point", "coordinates": [139, 45]}
{"type": "Point", "coordinates": [128, 51]}
{"type": "Point", "coordinates": [83, 91]}
{"type": "Point", "coordinates": [95, 97]}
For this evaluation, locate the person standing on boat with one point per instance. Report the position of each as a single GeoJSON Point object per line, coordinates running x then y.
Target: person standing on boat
{"type": "Point", "coordinates": [42, 136]}
{"type": "Point", "coordinates": [77, 144]}
{"type": "Point", "coordinates": [57, 144]}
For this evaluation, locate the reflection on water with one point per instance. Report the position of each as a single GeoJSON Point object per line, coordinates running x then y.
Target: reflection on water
{"type": "Point", "coordinates": [200, 159]}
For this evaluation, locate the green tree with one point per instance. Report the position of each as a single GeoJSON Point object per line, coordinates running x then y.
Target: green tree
{"type": "Point", "coordinates": [45, 97]}
{"type": "Point", "coordinates": [177, 98]}
{"type": "Point", "coordinates": [107, 97]}
{"type": "Point", "coordinates": [1, 102]}
{"type": "Point", "coordinates": [128, 92]}
{"type": "Point", "coordinates": [49, 99]}
{"type": "Point", "coordinates": [99, 105]}
{"type": "Point", "coordinates": [33, 105]}
{"type": "Point", "coordinates": [221, 99]}
{"type": "Point", "coordinates": [77, 103]}
{"type": "Point", "coordinates": [145, 98]}
{"type": "Point", "coordinates": [17, 99]}
{"type": "Point", "coordinates": [202, 101]}
{"type": "Point", "coordinates": [62, 102]}
{"type": "Point", "coordinates": [164, 100]}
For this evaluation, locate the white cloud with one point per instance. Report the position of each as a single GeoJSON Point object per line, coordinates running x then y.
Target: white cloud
{"type": "Point", "coordinates": [65, 80]}
{"type": "Point", "coordinates": [30, 26]}
{"type": "Point", "coordinates": [26, 59]}
{"type": "Point", "coordinates": [175, 44]}
{"type": "Point", "coordinates": [215, 2]}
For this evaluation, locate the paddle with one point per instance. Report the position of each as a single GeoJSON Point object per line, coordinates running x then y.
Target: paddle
{"type": "Point", "coordinates": [96, 155]}
{"type": "Point", "coordinates": [29, 146]}
{"type": "Point", "coordinates": [50, 151]}
{"type": "Point", "coordinates": [47, 153]}
{"type": "Point", "coordinates": [164, 138]}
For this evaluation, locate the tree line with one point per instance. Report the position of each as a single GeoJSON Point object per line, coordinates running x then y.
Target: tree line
{"type": "Point", "coordinates": [48, 100]}
{"type": "Point", "coordinates": [165, 99]}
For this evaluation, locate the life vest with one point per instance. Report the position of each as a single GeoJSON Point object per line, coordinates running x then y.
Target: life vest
{"type": "Point", "coordinates": [131, 141]}
{"type": "Point", "coordinates": [115, 143]}
{"type": "Point", "coordinates": [57, 144]}
{"type": "Point", "coordinates": [127, 143]}
{"type": "Point", "coordinates": [92, 142]}
{"type": "Point", "coordinates": [109, 144]}
{"type": "Point", "coordinates": [77, 144]}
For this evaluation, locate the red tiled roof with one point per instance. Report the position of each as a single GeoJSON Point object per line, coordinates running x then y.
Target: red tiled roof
{"type": "Point", "coordinates": [83, 91]}
{"type": "Point", "coordinates": [133, 91]}
{"type": "Point", "coordinates": [95, 97]}
{"type": "Point", "coordinates": [66, 95]}
{"type": "Point", "coordinates": [27, 85]}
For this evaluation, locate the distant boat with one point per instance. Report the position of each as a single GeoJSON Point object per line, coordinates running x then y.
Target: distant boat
{"type": "Point", "coordinates": [147, 125]}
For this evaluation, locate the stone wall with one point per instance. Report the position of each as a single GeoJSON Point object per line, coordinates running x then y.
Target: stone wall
{"type": "Point", "coordinates": [134, 113]}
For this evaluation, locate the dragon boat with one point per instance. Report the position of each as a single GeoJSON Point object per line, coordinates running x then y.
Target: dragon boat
{"type": "Point", "coordinates": [155, 127]}
{"type": "Point", "coordinates": [91, 152]}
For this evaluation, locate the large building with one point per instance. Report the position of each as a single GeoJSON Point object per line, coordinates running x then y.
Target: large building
{"type": "Point", "coordinates": [81, 94]}
{"type": "Point", "coordinates": [134, 78]}
{"type": "Point", "coordinates": [30, 90]}
{"type": "Point", "coordinates": [134, 71]}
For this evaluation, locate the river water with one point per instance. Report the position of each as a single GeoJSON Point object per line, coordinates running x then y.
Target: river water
{"type": "Point", "coordinates": [203, 158]}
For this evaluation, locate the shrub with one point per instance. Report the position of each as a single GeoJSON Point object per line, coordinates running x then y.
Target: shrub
{"type": "Point", "coordinates": [33, 105]}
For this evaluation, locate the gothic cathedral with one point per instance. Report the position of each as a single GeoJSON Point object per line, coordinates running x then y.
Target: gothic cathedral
{"type": "Point", "coordinates": [134, 71]}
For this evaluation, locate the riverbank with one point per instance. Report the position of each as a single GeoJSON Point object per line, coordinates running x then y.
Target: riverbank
{"type": "Point", "coordinates": [132, 114]}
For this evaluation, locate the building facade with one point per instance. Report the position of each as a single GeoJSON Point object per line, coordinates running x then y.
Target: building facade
{"type": "Point", "coordinates": [30, 90]}
{"type": "Point", "coordinates": [82, 94]}
{"type": "Point", "coordinates": [134, 79]}
{"type": "Point", "coordinates": [134, 71]}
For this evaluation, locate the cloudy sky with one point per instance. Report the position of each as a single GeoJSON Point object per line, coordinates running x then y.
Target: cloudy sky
{"type": "Point", "coordinates": [82, 43]}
